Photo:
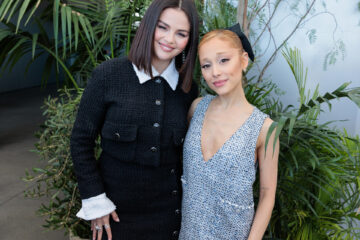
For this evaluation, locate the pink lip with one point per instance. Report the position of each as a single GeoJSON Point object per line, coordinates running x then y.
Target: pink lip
{"type": "Point", "coordinates": [219, 83]}
{"type": "Point", "coordinates": [165, 47]}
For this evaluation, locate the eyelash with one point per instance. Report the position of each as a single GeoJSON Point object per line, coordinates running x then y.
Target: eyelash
{"type": "Point", "coordinates": [164, 28]}
{"type": "Point", "coordinates": [205, 66]}
{"type": "Point", "coordinates": [182, 35]}
{"type": "Point", "coordinates": [223, 60]}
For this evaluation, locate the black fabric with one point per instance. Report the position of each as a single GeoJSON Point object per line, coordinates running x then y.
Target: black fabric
{"type": "Point", "coordinates": [142, 128]}
{"type": "Point", "coordinates": [244, 40]}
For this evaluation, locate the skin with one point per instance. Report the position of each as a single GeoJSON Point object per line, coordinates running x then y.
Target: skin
{"type": "Point", "coordinates": [222, 64]}
{"type": "Point", "coordinates": [170, 39]}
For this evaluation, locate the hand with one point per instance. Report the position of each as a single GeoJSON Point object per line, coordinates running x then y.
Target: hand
{"type": "Point", "coordinates": [98, 224]}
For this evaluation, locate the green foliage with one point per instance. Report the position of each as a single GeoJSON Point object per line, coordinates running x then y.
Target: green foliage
{"type": "Point", "coordinates": [57, 180]}
{"type": "Point", "coordinates": [218, 14]}
{"type": "Point", "coordinates": [318, 184]}
{"type": "Point", "coordinates": [85, 34]}
{"type": "Point", "coordinates": [319, 168]}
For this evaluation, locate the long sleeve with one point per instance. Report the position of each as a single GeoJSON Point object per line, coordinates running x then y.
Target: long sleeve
{"type": "Point", "coordinates": [95, 207]}
{"type": "Point", "coordinates": [86, 128]}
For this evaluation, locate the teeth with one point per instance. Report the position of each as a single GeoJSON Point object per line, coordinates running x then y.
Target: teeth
{"type": "Point", "coordinates": [165, 47]}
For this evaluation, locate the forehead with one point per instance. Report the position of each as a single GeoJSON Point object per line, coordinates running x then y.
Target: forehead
{"type": "Point", "coordinates": [176, 18]}
{"type": "Point", "coordinates": [216, 46]}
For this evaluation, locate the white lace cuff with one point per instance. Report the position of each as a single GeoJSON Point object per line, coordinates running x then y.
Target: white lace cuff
{"type": "Point", "coordinates": [96, 207]}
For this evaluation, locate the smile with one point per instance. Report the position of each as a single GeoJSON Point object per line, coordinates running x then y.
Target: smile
{"type": "Point", "coordinates": [165, 47]}
{"type": "Point", "coordinates": [219, 83]}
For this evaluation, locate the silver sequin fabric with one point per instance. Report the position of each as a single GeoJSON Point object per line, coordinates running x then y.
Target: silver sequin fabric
{"type": "Point", "coordinates": [218, 194]}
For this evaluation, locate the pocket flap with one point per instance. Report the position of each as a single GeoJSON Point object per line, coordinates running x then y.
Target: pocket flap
{"type": "Point", "coordinates": [179, 136]}
{"type": "Point", "coordinates": [119, 132]}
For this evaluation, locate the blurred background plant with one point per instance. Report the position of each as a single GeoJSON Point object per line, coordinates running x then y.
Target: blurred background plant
{"type": "Point", "coordinates": [318, 185]}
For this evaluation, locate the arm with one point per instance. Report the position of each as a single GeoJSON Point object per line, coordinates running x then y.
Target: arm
{"type": "Point", "coordinates": [86, 128]}
{"type": "Point", "coordinates": [90, 117]}
{"type": "Point", "coordinates": [268, 164]}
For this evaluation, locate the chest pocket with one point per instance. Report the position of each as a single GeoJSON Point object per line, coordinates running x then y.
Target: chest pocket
{"type": "Point", "coordinates": [119, 140]}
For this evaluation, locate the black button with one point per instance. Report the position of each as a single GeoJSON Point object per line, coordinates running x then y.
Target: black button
{"type": "Point", "coordinates": [158, 102]}
{"type": "Point", "coordinates": [156, 125]}
{"type": "Point", "coordinates": [153, 149]}
{"type": "Point", "coordinates": [117, 135]}
{"type": "Point", "coordinates": [177, 211]}
{"type": "Point", "coordinates": [158, 80]}
{"type": "Point", "coordinates": [175, 233]}
{"type": "Point", "coordinates": [174, 192]}
{"type": "Point", "coordinates": [182, 140]}
{"type": "Point", "coordinates": [172, 171]}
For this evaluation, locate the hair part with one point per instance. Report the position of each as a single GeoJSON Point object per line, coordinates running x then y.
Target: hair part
{"type": "Point", "coordinates": [142, 47]}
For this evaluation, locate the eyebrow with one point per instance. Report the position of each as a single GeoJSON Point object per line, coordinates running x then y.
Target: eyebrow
{"type": "Point", "coordinates": [217, 54]}
{"type": "Point", "coordinates": [181, 30]}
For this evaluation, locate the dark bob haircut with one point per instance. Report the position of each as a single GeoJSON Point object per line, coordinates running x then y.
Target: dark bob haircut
{"type": "Point", "coordinates": [141, 52]}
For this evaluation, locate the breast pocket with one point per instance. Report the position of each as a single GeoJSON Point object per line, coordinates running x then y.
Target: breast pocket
{"type": "Point", "coordinates": [119, 140]}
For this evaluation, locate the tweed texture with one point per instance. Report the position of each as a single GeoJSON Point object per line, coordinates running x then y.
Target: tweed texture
{"type": "Point", "coordinates": [218, 194]}
{"type": "Point", "coordinates": [142, 128]}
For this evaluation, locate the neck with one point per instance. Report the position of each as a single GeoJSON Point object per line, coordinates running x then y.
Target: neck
{"type": "Point", "coordinates": [160, 66]}
{"type": "Point", "coordinates": [235, 98]}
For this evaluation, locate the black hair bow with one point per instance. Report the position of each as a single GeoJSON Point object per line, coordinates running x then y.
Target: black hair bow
{"type": "Point", "coordinates": [244, 40]}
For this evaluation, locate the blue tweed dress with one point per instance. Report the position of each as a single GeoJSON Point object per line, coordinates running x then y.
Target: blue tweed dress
{"type": "Point", "coordinates": [218, 194]}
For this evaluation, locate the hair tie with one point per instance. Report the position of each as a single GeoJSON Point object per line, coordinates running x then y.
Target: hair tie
{"type": "Point", "coordinates": [244, 40]}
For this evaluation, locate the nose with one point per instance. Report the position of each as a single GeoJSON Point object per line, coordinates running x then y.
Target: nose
{"type": "Point", "coordinates": [170, 37]}
{"type": "Point", "coordinates": [216, 71]}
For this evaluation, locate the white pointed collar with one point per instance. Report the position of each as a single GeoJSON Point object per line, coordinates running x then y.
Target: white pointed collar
{"type": "Point", "coordinates": [171, 75]}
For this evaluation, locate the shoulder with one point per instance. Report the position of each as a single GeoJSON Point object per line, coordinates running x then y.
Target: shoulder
{"type": "Point", "coordinates": [265, 129]}
{"type": "Point", "coordinates": [113, 64]}
{"type": "Point", "coordinates": [193, 107]}
{"type": "Point", "coordinates": [111, 69]}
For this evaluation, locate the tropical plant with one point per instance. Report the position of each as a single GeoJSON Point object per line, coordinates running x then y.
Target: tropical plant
{"type": "Point", "coordinates": [318, 186]}
{"type": "Point", "coordinates": [57, 180]}
{"type": "Point", "coordinates": [319, 168]}
{"type": "Point", "coordinates": [91, 32]}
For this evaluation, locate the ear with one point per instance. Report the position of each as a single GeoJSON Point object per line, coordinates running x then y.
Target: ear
{"type": "Point", "coordinates": [244, 60]}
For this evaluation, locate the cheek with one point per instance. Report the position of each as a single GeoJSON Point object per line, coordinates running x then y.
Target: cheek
{"type": "Point", "coordinates": [236, 71]}
{"type": "Point", "coordinates": [206, 75]}
{"type": "Point", "coordinates": [157, 34]}
{"type": "Point", "coordinates": [182, 43]}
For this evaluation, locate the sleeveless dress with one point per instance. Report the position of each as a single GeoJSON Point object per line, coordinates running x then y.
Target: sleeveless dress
{"type": "Point", "coordinates": [217, 198]}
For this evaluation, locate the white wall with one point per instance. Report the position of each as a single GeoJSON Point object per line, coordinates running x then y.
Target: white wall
{"type": "Point", "coordinates": [313, 56]}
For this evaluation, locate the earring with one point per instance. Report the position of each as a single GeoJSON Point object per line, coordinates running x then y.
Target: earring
{"type": "Point", "coordinates": [183, 56]}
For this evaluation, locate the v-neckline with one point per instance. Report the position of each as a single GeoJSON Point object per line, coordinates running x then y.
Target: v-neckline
{"type": "Point", "coordinates": [227, 140]}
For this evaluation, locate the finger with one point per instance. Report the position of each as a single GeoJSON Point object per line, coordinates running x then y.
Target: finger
{"type": "Point", "coordinates": [115, 216]}
{"type": "Point", "coordinates": [94, 231]}
{"type": "Point", "coordinates": [107, 228]}
{"type": "Point", "coordinates": [99, 230]}
{"type": "Point", "coordinates": [99, 233]}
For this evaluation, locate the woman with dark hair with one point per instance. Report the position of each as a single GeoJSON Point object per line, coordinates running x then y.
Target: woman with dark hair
{"type": "Point", "coordinates": [224, 145]}
{"type": "Point", "coordinates": [138, 104]}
